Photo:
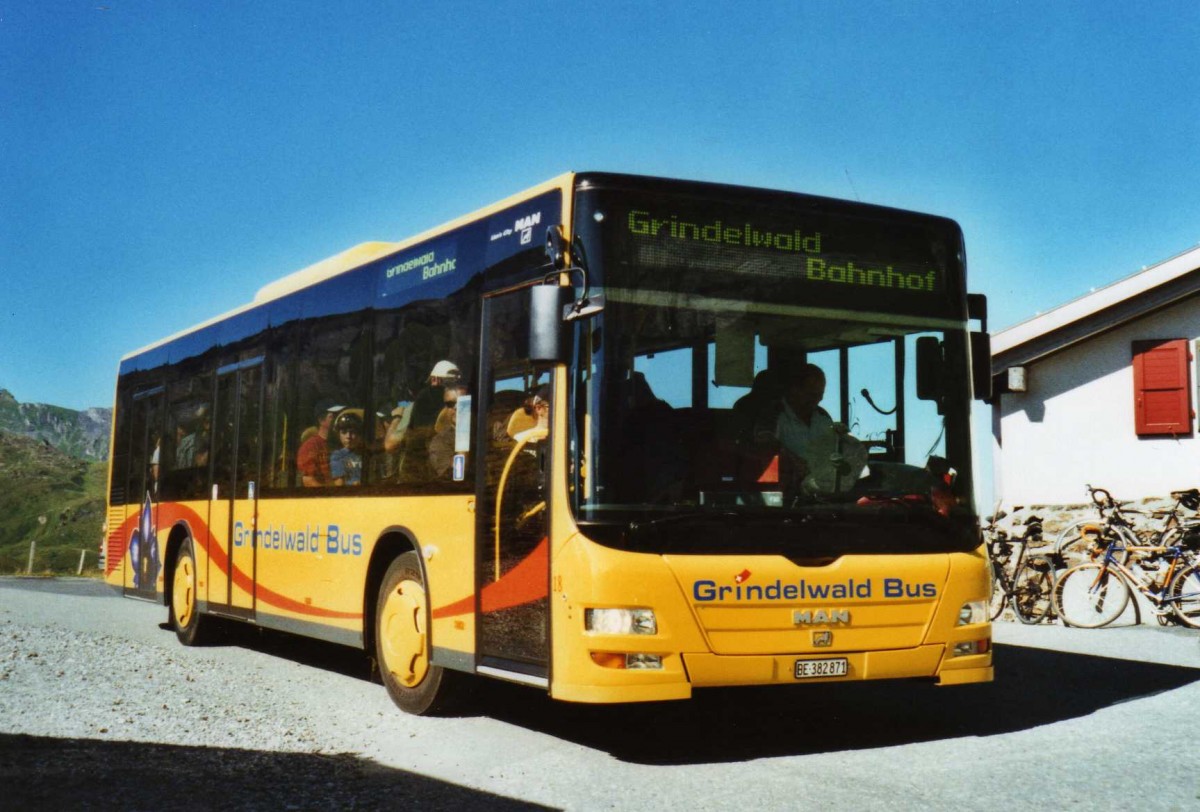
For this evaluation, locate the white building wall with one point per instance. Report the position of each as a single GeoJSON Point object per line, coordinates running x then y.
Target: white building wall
{"type": "Point", "coordinates": [1075, 425]}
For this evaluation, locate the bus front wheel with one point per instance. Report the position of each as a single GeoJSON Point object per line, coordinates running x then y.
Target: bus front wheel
{"type": "Point", "coordinates": [402, 646]}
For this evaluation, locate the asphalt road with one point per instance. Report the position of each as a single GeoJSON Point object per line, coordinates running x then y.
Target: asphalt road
{"type": "Point", "coordinates": [1076, 718]}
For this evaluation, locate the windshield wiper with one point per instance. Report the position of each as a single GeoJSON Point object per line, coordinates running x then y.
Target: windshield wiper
{"type": "Point", "coordinates": [636, 526]}
{"type": "Point", "coordinates": [771, 517]}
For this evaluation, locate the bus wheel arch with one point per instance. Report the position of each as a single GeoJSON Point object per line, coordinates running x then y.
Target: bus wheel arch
{"type": "Point", "coordinates": [393, 543]}
{"type": "Point", "coordinates": [400, 640]}
{"type": "Point", "coordinates": [180, 534]}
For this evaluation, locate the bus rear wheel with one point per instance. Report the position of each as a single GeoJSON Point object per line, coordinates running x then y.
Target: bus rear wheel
{"type": "Point", "coordinates": [190, 627]}
{"type": "Point", "coordinates": [402, 646]}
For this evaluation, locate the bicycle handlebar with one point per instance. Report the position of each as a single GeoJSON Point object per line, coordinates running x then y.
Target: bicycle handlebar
{"type": "Point", "coordinates": [1100, 496]}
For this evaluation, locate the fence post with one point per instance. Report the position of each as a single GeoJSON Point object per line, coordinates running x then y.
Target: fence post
{"type": "Point", "coordinates": [32, 548]}
{"type": "Point", "coordinates": [82, 555]}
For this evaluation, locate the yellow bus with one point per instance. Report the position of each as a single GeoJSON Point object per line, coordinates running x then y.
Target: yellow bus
{"type": "Point", "coordinates": [614, 437]}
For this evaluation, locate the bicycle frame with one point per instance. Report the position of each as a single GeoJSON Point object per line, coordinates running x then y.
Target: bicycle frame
{"type": "Point", "coordinates": [1150, 586]}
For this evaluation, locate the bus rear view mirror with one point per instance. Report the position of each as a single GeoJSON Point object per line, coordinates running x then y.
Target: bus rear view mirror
{"type": "Point", "coordinates": [548, 335]}
{"type": "Point", "coordinates": [930, 385]}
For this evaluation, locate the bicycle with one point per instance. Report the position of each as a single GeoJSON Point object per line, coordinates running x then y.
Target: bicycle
{"type": "Point", "coordinates": [1079, 539]}
{"type": "Point", "coordinates": [1094, 594]}
{"type": "Point", "coordinates": [1026, 583]}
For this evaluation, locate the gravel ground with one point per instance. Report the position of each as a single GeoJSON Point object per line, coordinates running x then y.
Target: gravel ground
{"type": "Point", "coordinates": [100, 721]}
{"type": "Point", "coordinates": [101, 708]}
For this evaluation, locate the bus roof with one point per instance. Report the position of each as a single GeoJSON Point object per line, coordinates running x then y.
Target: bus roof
{"type": "Point", "coordinates": [356, 257]}
{"type": "Point", "coordinates": [366, 252]}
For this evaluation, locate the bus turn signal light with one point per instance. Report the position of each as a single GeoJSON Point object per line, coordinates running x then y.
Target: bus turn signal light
{"type": "Point", "coordinates": [632, 662]}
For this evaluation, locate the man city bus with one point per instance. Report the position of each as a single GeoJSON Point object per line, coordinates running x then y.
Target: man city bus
{"type": "Point", "coordinates": [614, 437]}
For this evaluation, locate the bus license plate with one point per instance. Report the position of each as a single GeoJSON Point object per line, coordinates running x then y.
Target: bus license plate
{"type": "Point", "coordinates": [837, 667]}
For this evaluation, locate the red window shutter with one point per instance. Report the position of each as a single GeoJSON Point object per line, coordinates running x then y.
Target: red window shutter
{"type": "Point", "coordinates": [1161, 389]}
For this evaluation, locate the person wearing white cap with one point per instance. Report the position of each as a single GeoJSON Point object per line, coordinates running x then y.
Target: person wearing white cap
{"type": "Point", "coordinates": [442, 370]}
{"type": "Point", "coordinates": [429, 401]}
{"type": "Point", "coordinates": [412, 444]}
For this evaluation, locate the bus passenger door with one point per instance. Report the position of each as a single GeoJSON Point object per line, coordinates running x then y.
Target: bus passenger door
{"type": "Point", "coordinates": [513, 567]}
{"type": "Point", "coordinates": [233, 510]}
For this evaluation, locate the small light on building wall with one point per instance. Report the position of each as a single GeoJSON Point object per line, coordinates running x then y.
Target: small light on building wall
{"type": "Point", "coordinates": [1016, 379]}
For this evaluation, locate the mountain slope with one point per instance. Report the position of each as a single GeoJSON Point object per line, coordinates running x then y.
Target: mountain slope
{"type": "Point", "coordinates": [79, 434]}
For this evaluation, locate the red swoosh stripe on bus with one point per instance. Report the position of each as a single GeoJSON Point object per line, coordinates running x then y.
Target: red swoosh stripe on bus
{"type": "Point", "coordinates": [524, 583]}
{"type": "Point", "coordinates": [170, 514]}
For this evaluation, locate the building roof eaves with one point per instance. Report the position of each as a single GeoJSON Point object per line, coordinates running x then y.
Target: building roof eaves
{"type": "Point", "coordinates": [1100, 310]}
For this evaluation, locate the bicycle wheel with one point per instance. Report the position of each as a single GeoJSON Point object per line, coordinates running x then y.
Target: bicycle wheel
{"type": "Point", "coordinates": [1033, 590]}
{"type": "Point", "coordinates": [1073, 544]}
{"type": "Point", "coordinates": [999, 597]}
{"type": "Point", "coordinates": [1090, 596]}
{"type": "Point", "coordinates": [1184, 593]}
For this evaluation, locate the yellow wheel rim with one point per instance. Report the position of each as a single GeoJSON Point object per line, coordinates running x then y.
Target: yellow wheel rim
{"type": "Point", "coordinates": [183, 596]}
{"type": "Point", "coordinates": [402, 638]}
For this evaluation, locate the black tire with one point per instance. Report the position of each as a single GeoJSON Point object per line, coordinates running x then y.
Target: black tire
{"type": "Point", "coordinates": [402, 645]}
{"type": "Point", "coordinates": [1033, 590]}
{"type": "Point", "coordinates": [191, 627]}
{"type": "Point", "coordinates": [999, 597]}
{"type": "Point", "coordinates": [1184, 592]}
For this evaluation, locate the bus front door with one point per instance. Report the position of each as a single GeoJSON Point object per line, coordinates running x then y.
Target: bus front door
{"type": "Point", "coordinates": [233, 510]}
{"type": "Point", "coordinates": [513, 567]}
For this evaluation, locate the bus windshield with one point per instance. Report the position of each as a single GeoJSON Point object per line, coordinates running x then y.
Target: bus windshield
{"type": "Point", "coordinates": [780, 375]}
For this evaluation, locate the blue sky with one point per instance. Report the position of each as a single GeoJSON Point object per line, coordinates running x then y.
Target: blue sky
{"type": "Point", "coordinates": [159, 162]}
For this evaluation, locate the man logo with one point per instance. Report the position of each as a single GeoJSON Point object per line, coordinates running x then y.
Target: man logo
{"type": "Point", "coordinates": [821, 617]}
{"type": "Point", "coordinates": [822, 639]}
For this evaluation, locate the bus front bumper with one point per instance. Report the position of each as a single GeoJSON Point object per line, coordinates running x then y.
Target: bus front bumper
{"type": "Point", "coordinates": [712, 670]}
{"type": "Point", "coordinates": [707, 670]}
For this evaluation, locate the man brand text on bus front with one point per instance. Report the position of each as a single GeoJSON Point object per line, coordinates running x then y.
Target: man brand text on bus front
{"type": "Point", "coordinates": [334, 540]}
{"type": "Point", "coordinates": [706, 591]}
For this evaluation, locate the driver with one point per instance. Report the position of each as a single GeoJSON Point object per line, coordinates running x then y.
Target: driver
{"type": "Point", "coordinates": [801, 418]}
{"type": "Point", "coordinates": [822, 453]}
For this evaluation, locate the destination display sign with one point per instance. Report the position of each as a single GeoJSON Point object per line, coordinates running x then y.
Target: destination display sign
{"type": "Point", "coordinates": [836, 267]}
{"type": "Point", "coordinates": [835, 256]}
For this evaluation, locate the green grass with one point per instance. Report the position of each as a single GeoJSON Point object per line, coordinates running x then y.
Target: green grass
{"type": "Point", "coordinates": [53, 499]}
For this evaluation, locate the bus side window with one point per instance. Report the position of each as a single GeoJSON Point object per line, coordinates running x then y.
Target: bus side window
{"type": "Point", "coordinates": [423, 363]}
{"type": "Point", "coordinates": [331, 371]}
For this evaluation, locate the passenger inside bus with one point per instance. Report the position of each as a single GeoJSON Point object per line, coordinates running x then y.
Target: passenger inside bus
{"type": "Point", "coordinates": [427, 407]}
{"type": "Point", "coordinates": [345, 464]}
{"type": "Point", "coordinates": [312, 459]}
{"type": "Point", "coordinates": [758, 407]}
{"type": "Point", "coordinates": [533, 414]}
{"type": "Point", "coordinates": [441, 445]}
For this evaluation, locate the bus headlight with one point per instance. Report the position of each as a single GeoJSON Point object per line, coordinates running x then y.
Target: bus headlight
{"type": "Point", "coordinates": [973, 612]}
{"type": "Point", "coordinates": [620, 621]}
